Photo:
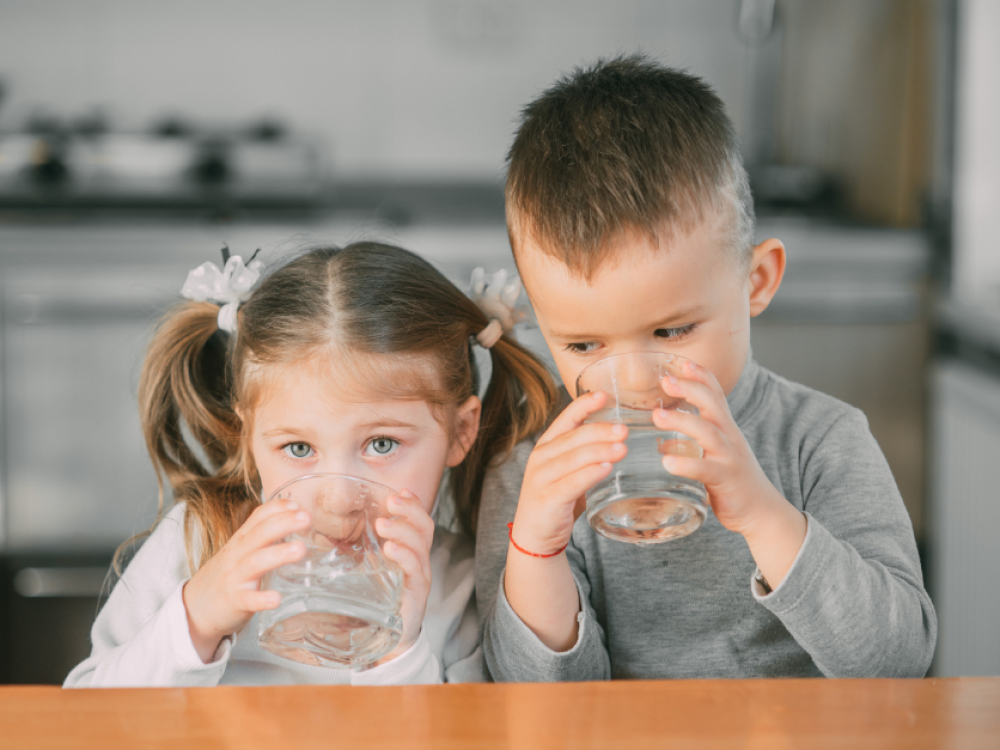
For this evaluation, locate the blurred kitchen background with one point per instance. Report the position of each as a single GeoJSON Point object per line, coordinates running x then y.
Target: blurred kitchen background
{"type": "Point", "coordinates": [137, 137]}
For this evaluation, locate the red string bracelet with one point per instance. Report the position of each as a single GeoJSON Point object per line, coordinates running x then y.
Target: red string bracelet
{"type": "Point", "coordinates": [522, 550]}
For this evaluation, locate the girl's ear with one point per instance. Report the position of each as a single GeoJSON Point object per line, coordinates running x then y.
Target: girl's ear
{"type": "Point", "coordinates": [466, 430]}
{"type": "Point", "coordinates": [767, 267]}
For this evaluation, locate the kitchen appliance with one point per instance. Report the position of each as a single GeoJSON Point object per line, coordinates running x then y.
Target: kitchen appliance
{"type": "Point", "coordinates": [175, 165]}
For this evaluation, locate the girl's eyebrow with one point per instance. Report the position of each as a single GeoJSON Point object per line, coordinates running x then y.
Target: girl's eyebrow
{"type": "Point", "coordinates": [386, 422]}
{"type": "Point", "coordinates": [371, 425]}
{"type": "Point", "coordinates": [283, 431]}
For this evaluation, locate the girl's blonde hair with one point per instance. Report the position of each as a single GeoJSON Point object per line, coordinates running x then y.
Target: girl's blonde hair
{"type": "Point", "coordinates": [371, 314]}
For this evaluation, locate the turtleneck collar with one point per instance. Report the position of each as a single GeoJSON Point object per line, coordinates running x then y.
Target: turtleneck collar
{"type": "Point", "coordinates": [741, 399]}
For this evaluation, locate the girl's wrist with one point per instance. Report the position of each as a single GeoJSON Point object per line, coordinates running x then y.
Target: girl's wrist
{"type": "Point", "coordinates": [205, 644]}
{"type": "Point", "coordinates": [401, 648]}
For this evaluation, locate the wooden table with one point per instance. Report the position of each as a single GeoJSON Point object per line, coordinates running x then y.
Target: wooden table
{"type": "Point", "coordinates": [767, 714]}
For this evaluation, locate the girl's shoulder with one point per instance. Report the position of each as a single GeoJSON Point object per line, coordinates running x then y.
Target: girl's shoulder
{"type": "Point", "coordinates": [455, 545]}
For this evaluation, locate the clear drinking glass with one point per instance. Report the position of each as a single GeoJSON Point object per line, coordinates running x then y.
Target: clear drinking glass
{"type": "Point", "coordinates": [641, 502]}
{"type": "Point", "coordinates": [340, 603]}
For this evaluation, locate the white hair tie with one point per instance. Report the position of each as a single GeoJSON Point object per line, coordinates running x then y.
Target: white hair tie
{"type": "Point", "coordinates": [497, 298]}
{"type": "Point", "coordinates": [487, 337]}
{"type": "Point", "coordinates": [227, 287]}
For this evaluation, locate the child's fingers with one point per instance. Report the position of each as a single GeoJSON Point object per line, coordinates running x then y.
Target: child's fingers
{"type": "Point", "coordinates": [711, 405]}
{"type": "Point", "coordinates": [407, 506]}
{"type": "Point", "coordinates": [399, 533]}
{"type": "Point", "coordinates": [274, 528]}
{"type": "Point", "coordinates": [703, 375]}
{"type": "Point", "coordinates": [574, 415]}
{"type": "Point", "coordinates": [703, 432]}
{"type": "Point", "coordinates": [416, 576]}
{"type": "Point", "coordinates": [257, 563]}
{"type": "Point", "coordinates": [574, 485]}
{"type": "Point", "coordinates": [594, 432]}
{"type": "Point", "coordinates": [699, 469]}
{"type": "Point", "coordinates": [248, 600]}
{"type": "Point", "coordinates": [555, 469]}
{"type": "Point", "coordinates": [262, 513]}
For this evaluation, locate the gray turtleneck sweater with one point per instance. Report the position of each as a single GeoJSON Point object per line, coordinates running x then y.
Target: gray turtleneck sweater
{"type": "Point", "coordinates": [852, 605]}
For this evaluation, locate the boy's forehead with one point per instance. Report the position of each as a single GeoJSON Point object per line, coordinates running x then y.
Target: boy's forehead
{"type": "Point", "coordinates": [642, 283]}
{"type": "Point", "coordinates": [706, 244]}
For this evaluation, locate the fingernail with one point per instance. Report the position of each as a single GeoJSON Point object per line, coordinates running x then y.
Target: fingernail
{"type": "Point", "coordinates": [672, 379]}
{"type": "Point", "coordinates": [605, 465]}
{"type": "Point", "coordinates": [619, 429]}
{"type": "Point", "coordinates": [669, 462]}
{"type": "Point", "coordinates": [302, 516]}
{"type": "Point", "coordinates": [618, 448]}
{"type": "Point", "coordinates": [292, 505]}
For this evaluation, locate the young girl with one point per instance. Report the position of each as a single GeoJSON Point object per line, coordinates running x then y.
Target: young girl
{"type": "Point", "coordinates": [353, 361]}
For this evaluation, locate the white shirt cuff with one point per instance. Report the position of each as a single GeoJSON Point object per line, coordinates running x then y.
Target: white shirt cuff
{"type": "Point", "coordinates": [415, 666]}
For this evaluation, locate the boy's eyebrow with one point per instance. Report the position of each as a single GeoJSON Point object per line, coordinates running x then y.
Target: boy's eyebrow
{"type": "Point", "coordinates": [658, 323]}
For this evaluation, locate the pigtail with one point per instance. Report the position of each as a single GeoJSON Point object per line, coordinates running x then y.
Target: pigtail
{"type": "Point", "coordinates": [191, 429]}
{"type": "Point", "coordinates": [517, 404]}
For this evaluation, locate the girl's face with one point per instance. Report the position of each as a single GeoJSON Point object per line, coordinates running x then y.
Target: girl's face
{"type": "Point", "coordinates": [301, 426]}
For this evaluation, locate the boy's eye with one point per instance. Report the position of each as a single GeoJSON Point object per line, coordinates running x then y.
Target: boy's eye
{"type": "Point", "coordinates": [298, 450]}
{"type": "Point", "coordinates": [674, 333]}
{"type": "Point", "coordinates": [381, 446]}
{"type": "Point", "coordinates": [585, 347]}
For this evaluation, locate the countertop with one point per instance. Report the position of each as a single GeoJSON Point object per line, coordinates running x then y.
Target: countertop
{"type": "Point", "coordinates": [790, 713]}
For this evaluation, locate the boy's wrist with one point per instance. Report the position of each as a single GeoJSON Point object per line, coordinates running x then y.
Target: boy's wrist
{"type": "Point", "coordinates": [775, 540]}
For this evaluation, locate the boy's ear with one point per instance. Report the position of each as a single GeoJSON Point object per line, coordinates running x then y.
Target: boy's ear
{"type": "Point", "coordinates": [767, 267]}
{"type": "Point", "coordinates": [466, 430]}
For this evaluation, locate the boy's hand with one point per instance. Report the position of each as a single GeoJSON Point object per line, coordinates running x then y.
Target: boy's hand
{"type": "Point", "coordinates": [569, 459]}
{"type": "Point", "coordinates": [225, 592]}
{"type": "Point", "coordinates": [741, 495]}
{"type": "Point", "coordinates": [409, 535]}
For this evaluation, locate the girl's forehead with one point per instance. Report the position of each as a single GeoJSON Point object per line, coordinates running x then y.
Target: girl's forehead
{"type": "Point", "coordinates": [310, 393]}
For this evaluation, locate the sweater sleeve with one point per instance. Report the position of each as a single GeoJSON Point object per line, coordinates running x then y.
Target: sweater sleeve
{"type": "Point", "coordinates": [512, 651]}
{"type": "Point", "coordinates": [515, 654]}
{"type": "Point", "coordinates": [854, 598]}
{"type": "Point", "coordinates": [141, 637]}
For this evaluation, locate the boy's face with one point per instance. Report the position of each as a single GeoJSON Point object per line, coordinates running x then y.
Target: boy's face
{"type": "Point", "coordinates": [685, 295]}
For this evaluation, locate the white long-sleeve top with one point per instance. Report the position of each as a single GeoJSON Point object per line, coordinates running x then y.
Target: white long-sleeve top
{"type": "Point", "coordinates": [141, 637]}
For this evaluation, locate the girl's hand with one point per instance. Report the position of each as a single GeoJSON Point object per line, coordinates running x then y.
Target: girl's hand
{"type": "Point", "coordinates": [408, 536]}
{"type": "Point", "coordinates": [225, 593]}
{"type": "Point", "coordinates": [568, 459]}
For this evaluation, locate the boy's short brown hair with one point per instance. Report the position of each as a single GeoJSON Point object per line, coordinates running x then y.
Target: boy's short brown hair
{"type": "Point", "coordinates": [624, 144]}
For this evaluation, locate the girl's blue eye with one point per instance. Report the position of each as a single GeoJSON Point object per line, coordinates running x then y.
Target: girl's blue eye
{"type": "Point", "coordinates": [298, 450]}
{"type": "Point", "coordinates": [382, 446]}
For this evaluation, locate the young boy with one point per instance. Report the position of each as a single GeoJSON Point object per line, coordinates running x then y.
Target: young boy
{"type": "Point", "coordinates": [632, 224]}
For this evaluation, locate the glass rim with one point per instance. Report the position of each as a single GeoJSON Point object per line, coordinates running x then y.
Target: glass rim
{"type": "Point", "coordinates": [328, 475]}
{"type": "Point", "coordinates": [602, 360]}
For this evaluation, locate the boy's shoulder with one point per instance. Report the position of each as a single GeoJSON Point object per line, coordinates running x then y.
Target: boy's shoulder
{"type": "Point", "coordinates": [800, 404]}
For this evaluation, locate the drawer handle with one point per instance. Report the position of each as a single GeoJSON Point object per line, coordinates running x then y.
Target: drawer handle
{"type": "Point", "coordinates": [34, 583]}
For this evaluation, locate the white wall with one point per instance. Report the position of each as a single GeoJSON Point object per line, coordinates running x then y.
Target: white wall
{"type": "Point", "coordinates": [977, 153]}
{"type": "Point", "coordinates": [407, 88]}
